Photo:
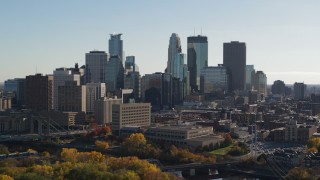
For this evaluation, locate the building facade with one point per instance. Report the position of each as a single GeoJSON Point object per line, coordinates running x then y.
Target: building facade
{"type": "Point", "coordinates": [94, 91]}
{"type": "Point", "coordinates": [72, 97]}
{"type": "Point", "coordinates": [278, 87]}
{"type": "Point", "coordinates": [96, 61]}
{"type": "Point", "coordinates": [39, 92]}
{"type": "Point", "coordinates": [60, 77]}
{"type": "Point", "coordinates": [214, 79]}
{"type": "Point", "coordinates": [234, 58]}
{"type": "Point", "coordinates": [114, 74]}
{"type": "Point", "coordinates": [299, 90]}
{"type": "Point", "coordinates": [250, 71]}
{"type": "Point", "coordinates": [103, 109]}
{"type": "Point", "coordinates": [260, 82]}
{"type": "Point", "coordinates": [197, 59]}
{"type": "Point", "coordinates": [173, 50]}
{"type": "Point", "coordinates": [116, 46]}
{"type": "Point", "coordinates": [130, 114]}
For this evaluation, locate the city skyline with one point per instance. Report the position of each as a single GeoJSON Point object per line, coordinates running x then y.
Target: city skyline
{"type": "Point", "coordinates": [42, 36]}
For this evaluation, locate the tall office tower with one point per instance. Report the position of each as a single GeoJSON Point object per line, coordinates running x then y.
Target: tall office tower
{"type": "Point", "coordinates": [126, 115]}
{"type": "Point", "coordinates": [250, 71]}
{"type": "Point", "coordinates": [130, 64]}
{"type": "Point", "coordinates": [72, 97]}
{"type": "Point", "coordinates": [173, 50]}
{"type": "Point", "coordinates": [186, 81]}
{"type": "Point", "coordinates": [15, 89]}
{"type": "Point", "coordinates": [39, 92]}
{"type": "Point", "coordinates": [94, 91]}
{"type": "Point", "coordinates": [103, 109]}
{"type": "Point", "coordinates": [114, 74]}
{"type": "Point", "coordinates": [116, 46]}
{"type": "Point", "coordinates": [60, 76]}
{"type": "Point", "coordinates": [180, 71]}
{"type": "Point", "coordinates": [156, 88]}
{"type": "Point", "coordinates": [299, 91]}
{"type": "Point", "coordinates": [260, 82]}
{"type": "Point", "coordinates": [197, 59]}
{"type": "Point", "coordinates": [278, 87]}
{"type": "Point", "coordinates": [234, 58]}
{"type": "Point", "coordinates": [95, 63]}
{"type": "Point", "coordinates": [214, 79]}
{"type": "Point", "coordinates": [132, 78]}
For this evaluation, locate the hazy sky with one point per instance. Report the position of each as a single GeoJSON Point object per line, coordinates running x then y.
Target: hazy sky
{"type": "Point", "coordinates": [282, 37]}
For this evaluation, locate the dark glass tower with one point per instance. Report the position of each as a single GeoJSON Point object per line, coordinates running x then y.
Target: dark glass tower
{"type": "Point", "coordinates": [197, 59]}
{"type": "Point", "coordinates": [234, 58]}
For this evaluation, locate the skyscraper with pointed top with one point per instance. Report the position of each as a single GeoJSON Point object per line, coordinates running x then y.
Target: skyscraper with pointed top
{"type": "Point", "coordinates": [173, 50]}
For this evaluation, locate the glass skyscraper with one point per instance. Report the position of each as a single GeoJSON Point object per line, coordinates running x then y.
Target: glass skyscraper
{"type": "Point", "coordinates": [114, 74]}
{"type": "Point", "coordinates": [197, 59]}
{"type": "Point", "coordinates": [116, 46]}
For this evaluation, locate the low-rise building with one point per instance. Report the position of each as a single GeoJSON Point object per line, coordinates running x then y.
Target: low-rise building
{"type": "Point", "coordinates": [130, 114]}
{"type": "Point", "coordinates": [184, 136]}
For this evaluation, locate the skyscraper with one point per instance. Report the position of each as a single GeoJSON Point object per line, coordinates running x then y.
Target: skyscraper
{"type": "Point", "coordinates": [234, 58]}
{"type": "Point", "coordinates": [114, 74]}
{"type": "Point", "coordinates": [60, 76]}
{"type": "Point", "coordinates": [116, 46]}
{"type": "Point", "coordinates": [173, 50]}
{"type": "Point", "coordinates": [95, 64]}
{"type": "Point", "coordinates": [250, 71]}
{"type": "Point", "coordinates": [214, 79]}
{"type": "Point", "coordinates": [278, 87]}
{"type": "Point", "coordinates": [299, 91]}
{"type": "Point", "coordinates": [39, 92]}
{"type": "Point", "coordinates": [197, 59]}
{"type": "Point", "coordinates": [259, 82]}
{"type": "Point", "coordinates": [94, 91]}
{"type": "Point", "coordinates": [132, 78]}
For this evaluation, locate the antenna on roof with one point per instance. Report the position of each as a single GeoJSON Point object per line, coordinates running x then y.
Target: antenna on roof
{"type": "Point", "coordinates": [36, 69]}
{"type": "Point", "coordinates": [201, 31]}
{"type": "Point", "coordinates": [194, 31]}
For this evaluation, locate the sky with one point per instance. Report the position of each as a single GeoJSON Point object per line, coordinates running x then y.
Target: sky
{"type": "Point", "coordinates": [282, 37]}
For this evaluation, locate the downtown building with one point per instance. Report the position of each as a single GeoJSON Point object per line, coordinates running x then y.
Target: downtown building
{"type": "Point", "coordinates": [96, 62]}
{"type": "Point", "coordinates": [299, 90]}
{"type": "Point", "coordinates": [38, 92]}
{"type": "Point", "coordinates": [103, 109]}
{"type": "Point", "coordinates": [94, 91]}
{"type": "Point", "coordinates": [130, 114]}
{"type": "Point", "coordinates": [116, 46]}
{"type": "Point", "coordinates": [250, 71]}
{"type": "Point", "coordinates": [278, 87]}
{"type": "Point", "coordinates": [114, 74]}
{"type": "Point", "coordinates": [173, 49]}
{"type": "Point", "coordinates": [197, 59]}
{"type": "Point", "coordinates": [15, 89]}
{"type": "Point", "coordinates": [214, 79]}
{"type": "Point", "coordinates": [72, 97]}
{"type": "Point", "coordinates": [234, 59]}
{"type": "Point", "coordinates": [157, 89]}
{"type": "Point", "coordinates": [60, 77]}
{"type": "Point", "coordinates": [260, 83]}
{"type": "Point", "coordinates": [132, 78]}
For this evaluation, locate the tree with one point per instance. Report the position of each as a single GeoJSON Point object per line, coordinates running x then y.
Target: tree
{"type": "Point", "coordinates": [4, 149]}
{"type": "Point", "coordinates": [5, 177]}
{"type": "Point", "coordinates": [228, 139]}
{"type": "Point", "coordinates": [69, 154]}
{"type": "Point", "coordinates": [103, 145]}
{"type": "Point", "coordinates": [299, 173]}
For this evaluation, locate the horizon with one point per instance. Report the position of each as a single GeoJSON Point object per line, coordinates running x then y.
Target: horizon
{"type": "Point", "coordinates": [281, 40]}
